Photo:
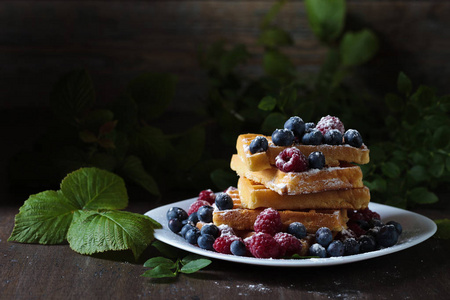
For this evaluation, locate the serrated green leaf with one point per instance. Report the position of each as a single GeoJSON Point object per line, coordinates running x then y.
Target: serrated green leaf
{"type": "Point", "coordinates": [44, 218]}
{"type": "Point", "coordinates": [390, 169]}
{"type": "Point", "coordinates": [92, 188]}
{"type": "Point", "coordinates": [268, 103]}
{"type": "Point", "coordinates": [421, 195]}
{"type": "Point", "coordinates": [72, 94]}
{"type": "Point", "coordinates": [195, 265]}
{"type": "Point", "coordinates": [160, 261]}
{"type": "Point", "coordinates": [152, 92]}
{"type": "Point", "coordinates": [94, 232]}
{"type": "Point", "coordinates": [133, 169]}
{"type": "Point", "coordinates": [326, 18]}
{"type": "Point", "coordinates": [443, 229]}
{"type": "Point", "coordinates": [357, 48]}
{"type": "Point", "coordinates": [404, 84]}
{"type": "Point", "coordinates": [159, 272]}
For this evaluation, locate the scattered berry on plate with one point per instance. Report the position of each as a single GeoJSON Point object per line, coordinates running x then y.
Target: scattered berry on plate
{"type": "Point", "coordinates": [353, 138]}
{"type": "Point", "coordinates": [291, 160]}
{"type": "Point", "coordinates": [351, 246]}
{"type": "Point", "coordinates": [367, 243]}
{"type": "Point", "coordinates": [329, 122]}
{"type": "Point", "coordinates": [258, 144]}
{"type": "Point", "coordinates": [176, 213]}
{"type": "Point", "coordinates": [397, 226]}
{"type": "Point", "coordinates": [223, 243]}
{"type": "Point", "coordinates": [196, 205]}
{"type": "Point", "coordinates": [224, 201]}
{"type": "Point", "coordinates": [193, 217]}
{"type": "Point", "coordinates": [263, 245]}
{"type": "Point", "coordinates": [316, 160]}
{"type": "Point", "coordinates": [207, 195]}
{"type": "Point", "coordinates": [324, 236]}
{"type": "Point", "coordinates": [192, 235]}
{"type": "Point", "coordinates": [206, 241]}
{"type": "Point", "coordinates": [317, 250]}
{"type": "Point", "coordinates": [204, 214]}
{"type": "Point", "coordinates": [289, 244]}
{"type": "Point", "coordinates": [210, 229]}
{"type": "Point", "coordinates": [238, 248]}
{"type": "Point", "coordinates": [283, 137]}
{"type": "Point", "coordinates": [297, 229]}
{"type": "Point", "coordinates": [313, 137]}
{"type": "Point", "coordinates": [268, 221]}
{"type": "Point", "coordinates": [296, 125]}
{"type": "Point", "coordinates": [387, 236]}
{"type": "Point", "coordinates": [175, 225]}
{"type": "Point", "coordinates": [185, 229]}
{"type": "Point", "coordinates": [335, 248]}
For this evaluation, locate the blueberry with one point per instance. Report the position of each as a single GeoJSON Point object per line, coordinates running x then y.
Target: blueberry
{"type": "Point", "coordinates": [193, 217]}
{"type": "Point", "coordinates": [324, 236]}
{"type": "Point", "coordinates": [335, 248]}
{"type": "Point", "coordinates": [238, 248]}
{"type": "Point", "coordinates": [175, 225]}
{"type": "Point", "coordinates": [373, 231]}
{"type": "Point", "coordinates": [297, 229]}
{"type": "Point", "coordinates": [309, 126]}
{"type": "Point", "coordinates": [313, 137]}
{"type": "Point", "coordinates": [206, 241]}
{"type": "Point", "coordinates": [398, 226]}
{"type": "Point", "coordinates": [351, 246]}
{"type": "Point", "coordinates": [367, 243]}
{"type": "Point", "coordinates": [283, 137]}
{"type": "Point", "coordinates": [296, 125]}
{"type": "Point", "coordinates": [210, 229]}
{"type": "Point", "coordinates": [363, 224]}
{"type": "Point", "coordinates": [387, 236]}
{"type": "Point", "coordinates": [176, 213]}
{"type": "Point", "coordinates": [332, 137]}
{"type": "Point", "coordinates": [375, 223]}
{"type": "Point", "coordinates": [204, 214]}
{"type": "Point", "coordinates": [259, 144]}
{"type": "Point", "coordinates": [224, 201]}
{"type": "Point", "coordinates": [317, 250]}
{"type": "Point", "coordinates": [316, 160]}
{"type": "Point", "coordinates": [185, 229]}
{"type": "Point", "coordinates": [192, 235]}
{"type": "Point", "coordinates": [353, 138]}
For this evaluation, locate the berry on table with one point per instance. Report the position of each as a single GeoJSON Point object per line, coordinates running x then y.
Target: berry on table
{"type": "Point", "coordinates": [329, 122]}
{"type": "Point", "coordinates": [296, 125]}
{"type": "Point", "coordinates": [207, 195]}
{"type": "Point", "coordinates": [324, 236]}
{"type": "Point", "coordinates": [335, 248]}
{"type": "Point", "coordinates": [291, 160]}
{"type": "Point", "coordinates": [196, 205]}
{"type": "Point", "coordinates": [332, 137]}
{"type": "Point", "coordinates": [316, 160]}
{"type": "Point", "coordinates": [317, 250]}
{"type": "Point", "coordinates": [238, 248]}
{"type": "Point", "coordinates": [176, 213]}
{"type": "Point", "coordinates": [206, 241]}
{"type": "Point", "coordinates": [312, 137]}
{"type": "Point", "coordinates": [223, 201]}
{"type": "Point", "coordinates": [204, 214]}
{"type": "Point", "coordinates": [297, 229]}
{"type": "Point", "coordinates": [210, 229]}
{"type": "Point", "coordinates": [263, 245]}
{"type": "Point", "coordinates": [353, 138]}
{"type": "Point", "coordinates": [268, 221]}
{"type": "Point", "coordinates": [283, 137]}
{"type": "Point", "coordinates": [258, 144]}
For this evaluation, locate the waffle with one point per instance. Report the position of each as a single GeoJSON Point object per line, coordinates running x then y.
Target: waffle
{"type": "Point", "coordinates": [294, 183]}
{"type": "Point", "coordinates": [240, 218]}
{"type": "Point", "coordinates": [254, 195]}
{"type": "Point", "coordinates": [265, 160]}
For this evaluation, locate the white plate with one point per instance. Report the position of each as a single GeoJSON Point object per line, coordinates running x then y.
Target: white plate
{"type": "Point", "coordinates": [416, 229]}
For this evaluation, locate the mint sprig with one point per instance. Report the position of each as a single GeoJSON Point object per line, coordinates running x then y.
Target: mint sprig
{"type": "Point", "coordinates": [86, 213]}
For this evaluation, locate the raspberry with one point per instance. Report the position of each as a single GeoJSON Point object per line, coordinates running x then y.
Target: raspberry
{"type": "Point", "coordinates": [222, 244]}
{"type": "Point", "coordinates": [357, 230]}
{"type": "Point", "coordinates": [196, 205]}
{"type": "Point", "coordinates": [291, 160]}
{"type": "Point", "coordinates": [289, 244]}
{"type": "Point", "coordinates": [329, 122]}
{"type": "Point", "coordinates": [263, 245]}
{"type": "Point", "coordinates": [268, 221]}
{"type": "Point", "coordinates": [207, 195]}
{"type": "Point", "coordinates": [369, 215]}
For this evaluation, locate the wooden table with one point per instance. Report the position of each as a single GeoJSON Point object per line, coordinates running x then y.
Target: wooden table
{"type": "Point", "coordinates": [56, 272]}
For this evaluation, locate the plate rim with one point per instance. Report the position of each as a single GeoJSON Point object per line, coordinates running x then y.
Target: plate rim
{"type": "Point", "coordinates": [160, 234]}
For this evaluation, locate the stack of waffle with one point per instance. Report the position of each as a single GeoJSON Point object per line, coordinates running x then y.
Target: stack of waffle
{"type": "Point", "coordinates": [316, 198]}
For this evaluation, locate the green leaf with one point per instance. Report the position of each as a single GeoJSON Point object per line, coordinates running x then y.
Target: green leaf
{"type": "Point", "coordinates": [190, 257]}
{"type": "Point", "coordinates": [390, 169]}
{"type": "Point", "coordinates": [421, 195]}
{"type": "Point", "coordinates": [378, 184]}
{"type": "Point", "coordinates": [394, 102]}
{"type": "Point", "coordinates": [326, 18]}
{"type": "Point", "coordinates": [274, 120]}
{"type": "Point", "coordinates": [424, 96]}
{"type": "Point", "coordinates": [152, 93]}
{"type": "Point", "coordinates": [94, 232]}
{"type": "Point", "coordinates": [159, 272]}
{"type": "Point", "coordinates": [195, 265]}
{"type": "Point", "coordinates": [275, 37]}
{"type": "Point", "coordinates": [269, 18]}
{"type": "Point", "coordinates": [268, 103]}
{"type": "Point", "coordinates": [357, 48]}
{"type": "Point", "coordinates": [437, 166]}
{"type": "Point", "coordinates": [404, 84]}
{"type": "Point", "coordinates": [419, 173]}
{"type": "Point", "coordinates": [44, 218]}
{"type": "Point", "coordinates": [92, 188]}
{"type": "Point", "coordinates": [276, 63]}
{"type": "Point", "coordinates": [72, 94]}
{"type": "Point", "coordinates": [160, 261]}
{"type": "Point", "coordinates": [443, 229]}
{"type": "Point", "coordinates": [133, 169]}
{"type": "Point", "coordinates": [232, 59]}
{"type": "Point", "coordinates": [441, 137]}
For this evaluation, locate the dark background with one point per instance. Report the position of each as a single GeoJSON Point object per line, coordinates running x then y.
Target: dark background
{"type": "Point", "coordinates": [118, 40]}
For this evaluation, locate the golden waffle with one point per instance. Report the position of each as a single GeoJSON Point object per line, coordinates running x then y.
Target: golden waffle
{"type": "Point", "coordinates": [254, 195]}
{"type": "Point", "coordinates": [333, 154]}
{"type": "Point", "coordinates": [240, 218]}
{"type": "Point", "coordinates": [294, 183]}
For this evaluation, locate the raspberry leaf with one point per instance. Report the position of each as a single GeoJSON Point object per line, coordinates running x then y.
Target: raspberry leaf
{"type": "Point", "coordinates": [92, 188]}
{"type": "Point", "coordinates": [44, 218]}
{"type": "Point", "coordinates": [94, 232]}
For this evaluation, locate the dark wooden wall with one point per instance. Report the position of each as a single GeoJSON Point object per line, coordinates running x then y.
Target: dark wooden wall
{"type": "Point", "coordinates": [117, 40]}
